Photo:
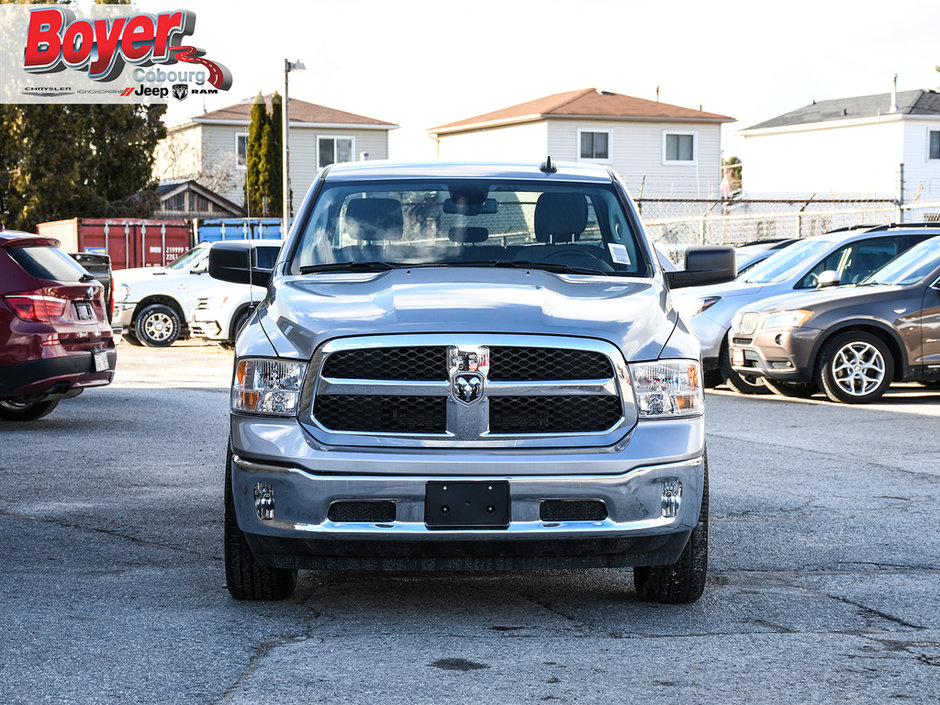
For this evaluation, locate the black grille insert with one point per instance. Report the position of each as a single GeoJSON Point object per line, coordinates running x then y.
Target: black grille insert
{"type": "Point", "coordinates": [572, 510]}
{"type": "Point", "coordinates": [389, 414]}
{"type": "Point", "coordinates": [518, 364]}
{"type": "Point", "coordinates": [415, 363]}
{"type": "Point", "coordinates": [553, 414]}
{"type": "Point", "coordinates": [362, 511]}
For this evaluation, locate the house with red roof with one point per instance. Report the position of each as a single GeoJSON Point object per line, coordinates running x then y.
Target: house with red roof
{"type": "Point", "coordinates": [212, 148]}
{"type": "Point", "coordinates": [658, 149]}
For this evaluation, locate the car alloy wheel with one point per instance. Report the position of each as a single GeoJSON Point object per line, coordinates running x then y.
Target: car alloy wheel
{"type": "Point", "coordinates": [858, 368]}
{"type": "Point", "coordinates": [157, 326]}
{"type": "Point", "coordinates": [855, 367]}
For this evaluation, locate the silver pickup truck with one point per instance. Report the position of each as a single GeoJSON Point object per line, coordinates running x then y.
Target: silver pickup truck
{"type": "Point", "coordinates": [467, 366]}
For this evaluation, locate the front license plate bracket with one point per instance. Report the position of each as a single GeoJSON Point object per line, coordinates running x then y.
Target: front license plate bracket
{"type": "Point", "coordinates": [467, 505]}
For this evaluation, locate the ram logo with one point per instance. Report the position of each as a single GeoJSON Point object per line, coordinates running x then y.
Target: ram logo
{"type": "Point", "coordinates": [468, 388]}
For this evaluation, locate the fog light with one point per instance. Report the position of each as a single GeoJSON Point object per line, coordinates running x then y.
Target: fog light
{"type": "Point", "coordinates": [672, 498]}
{"type": "Point", "coordinates": [264, 500]}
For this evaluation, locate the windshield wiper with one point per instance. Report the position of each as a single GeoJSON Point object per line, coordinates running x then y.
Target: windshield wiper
{"type": "Point", "coordinates": [350, 267]}
{"type": "Point", "coordinates": [524, 264]}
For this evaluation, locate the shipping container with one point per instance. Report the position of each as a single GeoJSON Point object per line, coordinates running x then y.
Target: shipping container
{"type": "Point", "coordinates": [130, 242]}
{"type": "Point", "coordinates": [217, 229]}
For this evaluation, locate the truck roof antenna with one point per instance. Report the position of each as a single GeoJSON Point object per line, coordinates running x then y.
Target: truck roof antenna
{"type": "Point", "coordinates": [548, 166]}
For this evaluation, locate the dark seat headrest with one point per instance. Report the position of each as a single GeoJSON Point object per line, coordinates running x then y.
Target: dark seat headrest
{"type": "Point", "coordinates": [560, 217]}
{"type": "Point", "coordinates": [373, 219]}
{"type": "Point", "coordinates": [468, 234]}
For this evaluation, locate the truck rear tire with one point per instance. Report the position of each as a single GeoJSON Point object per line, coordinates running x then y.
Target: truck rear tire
{"type": "Point", "coordinates": [682, 581]}
{"type": "Point", "coordinates": [245, 577]}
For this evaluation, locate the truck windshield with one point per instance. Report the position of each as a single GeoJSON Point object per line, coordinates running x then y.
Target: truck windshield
{"type": "Point", "coordinates": [582, 228]}
{"type": "Point", "coordinates": [189, 257]}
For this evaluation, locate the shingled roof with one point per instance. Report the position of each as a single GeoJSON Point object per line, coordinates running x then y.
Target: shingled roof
{"type": "Point", "coordinates": [588, 103]}
{"type": "Point", "coordinates": [300, 111]}
{"type": "Point", "coordinates": [917, 102]}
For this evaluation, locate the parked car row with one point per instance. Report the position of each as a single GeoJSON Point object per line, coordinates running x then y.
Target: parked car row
{"type": "Point", "coordinates": [842, 257]}
{"type": "Point", "coordinates": [851, 342]}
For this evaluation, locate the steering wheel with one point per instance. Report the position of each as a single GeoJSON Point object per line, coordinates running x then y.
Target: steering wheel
{"type": "Point", "coordinates": [577, 256]}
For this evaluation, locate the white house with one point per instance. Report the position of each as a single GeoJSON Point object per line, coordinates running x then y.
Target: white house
{"type": "Point", "coordinates": [660, 149]}
{"type": "Point", "coordinates": [211, 148]}
{"type": "Point", "coordinates": [876, 146]}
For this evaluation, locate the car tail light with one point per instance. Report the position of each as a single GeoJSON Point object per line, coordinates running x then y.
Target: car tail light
{"type": "Point", "coordinates": [111, 301]}
{"type": "Point", "coordinates": [38, 305]}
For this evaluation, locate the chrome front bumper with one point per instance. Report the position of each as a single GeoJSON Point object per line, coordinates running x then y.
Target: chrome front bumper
{"type": "Point", "coordinates": [638, 530]}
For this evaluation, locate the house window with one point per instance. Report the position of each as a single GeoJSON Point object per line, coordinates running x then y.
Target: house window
{"type": "Point", "coordinates": [241, 150]}
{"type": "Point", "coordinates": [934, 145]}
{"type": "Point", "coordinates": [679, 147]}
{"type": "Point", "coordinates": [334, 150]}
{"type": "Point", "coordinates": [594, 145]}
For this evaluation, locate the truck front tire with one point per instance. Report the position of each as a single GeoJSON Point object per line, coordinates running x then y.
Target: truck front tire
{"type": "Point", "coordinates": [682, 581]}
{"type": "Point", "coordinates": [245, 577]}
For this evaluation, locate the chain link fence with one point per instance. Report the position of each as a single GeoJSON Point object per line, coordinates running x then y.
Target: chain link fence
{"type": "Point", "coordinates": [675, 224]}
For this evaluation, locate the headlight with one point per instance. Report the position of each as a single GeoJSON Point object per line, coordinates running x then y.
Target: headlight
{"type": "Point", "coordinates": [785, 319]}
{"type": "Point", "coordinates": [123, 293]}
{"type": "Point", "coordinates": [693, 307]}
{"type": "Point", "coordinates": [263, 386]}
{"type": "Point", "coordinates": [668, 388]}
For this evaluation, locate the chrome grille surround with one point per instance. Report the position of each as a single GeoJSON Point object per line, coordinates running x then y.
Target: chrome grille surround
{"type": "Point", "coordinates": [468, 424]}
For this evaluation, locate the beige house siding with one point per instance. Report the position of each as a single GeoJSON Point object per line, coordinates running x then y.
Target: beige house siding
{"type": "Point", "coordinates": [206, 153]}
{"type": "Point", "coordinates": [636, 151]}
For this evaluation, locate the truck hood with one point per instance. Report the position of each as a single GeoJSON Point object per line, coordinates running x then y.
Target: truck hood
{"type": "Point", "coordinates": [303, 312]}
{"type": "Point", "coordinates": [138, 274]}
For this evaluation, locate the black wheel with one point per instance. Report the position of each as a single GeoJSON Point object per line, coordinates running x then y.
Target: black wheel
{"type": "Point", "coordinates": [131, 338]}
{"type": "Point", "coordinates": [246, 578]}
{"type": "Point", "coordinates": [798, 390]}
{"type": "Point", "coordinates": [742, 384]}
{"type": "Point", "coordinates": [240, 322]}
{"type": "Point", "coordinates": [157, 326]}
{"type": "Point", "coordinates": [25, 411]}
{"type": "Point", "coordinates": [684, 580]}
{"type": "Point", "coordinates": [855, 367]}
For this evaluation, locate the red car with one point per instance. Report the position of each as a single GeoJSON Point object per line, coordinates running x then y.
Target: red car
{"type": "Point", "coordinates": [55, 339]}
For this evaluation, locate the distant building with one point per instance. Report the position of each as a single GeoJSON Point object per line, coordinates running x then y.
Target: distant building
{"type": "Point", "coordinates": [211, 148]}
{"type": "Point", "coordinates": [876, 146]}
{"type": "Point", "coordinates": [665, 150]}
{"type": "Point", "coordinates": [188, 199]}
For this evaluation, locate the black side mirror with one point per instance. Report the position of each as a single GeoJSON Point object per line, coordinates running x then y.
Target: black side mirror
{"type": "Point", "coordinates": [705, 265]}
{"type": "Point", "coordinates": [231, 262]}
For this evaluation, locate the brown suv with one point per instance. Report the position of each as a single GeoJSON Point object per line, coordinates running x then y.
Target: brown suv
{"type": "Point", "coordinates": [850, 341]}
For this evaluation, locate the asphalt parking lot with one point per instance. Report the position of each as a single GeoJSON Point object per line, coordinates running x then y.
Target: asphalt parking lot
{"type": "Point", "coordinates": [824, 580]}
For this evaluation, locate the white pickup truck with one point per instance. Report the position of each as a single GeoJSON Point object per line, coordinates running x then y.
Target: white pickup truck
{"type": "Point", "coordinates": [152, 305]}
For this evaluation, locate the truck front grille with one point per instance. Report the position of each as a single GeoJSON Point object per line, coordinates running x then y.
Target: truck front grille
{"type": "Point", "coordinates": [437, 389]}
{"type": "Point", "coordinates": [532, 364]}
{"type": "Point", "coordinates": [382, 414]}
{"type": "Point", "coordinates": [553, 414]}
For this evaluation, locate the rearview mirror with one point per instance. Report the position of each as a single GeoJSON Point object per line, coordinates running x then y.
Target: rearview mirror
{"type": "Point", "coordinates": [488, 206]}
{"type": "Point", "coordinates": [705, 265]}
{"type": "Point", "coordinates": [231, 262]}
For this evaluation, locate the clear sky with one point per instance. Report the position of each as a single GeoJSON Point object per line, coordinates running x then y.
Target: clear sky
{"type": "Point", "coordinates": [419, 64]}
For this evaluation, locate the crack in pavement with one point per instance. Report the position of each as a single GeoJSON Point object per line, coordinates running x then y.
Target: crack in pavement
{"type": "Point", "coordinates": [111, 532]}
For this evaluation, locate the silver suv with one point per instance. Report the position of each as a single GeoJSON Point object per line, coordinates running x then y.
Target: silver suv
{"type": "Point", "coordinates": [467, 367]}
